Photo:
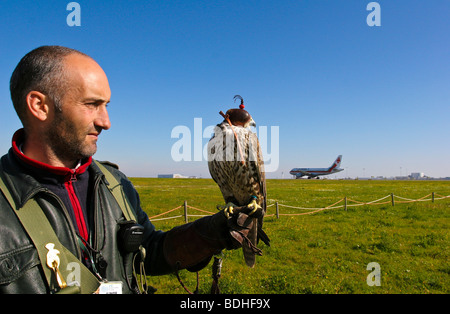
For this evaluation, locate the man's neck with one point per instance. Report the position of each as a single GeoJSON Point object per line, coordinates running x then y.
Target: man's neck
{"type": "Point", "coordinates": [37, 150]}
{"type": "Point", "coordinates": [18, 148]}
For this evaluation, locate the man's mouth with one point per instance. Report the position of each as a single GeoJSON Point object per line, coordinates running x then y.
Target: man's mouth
{"type": "Point", "coordinates": [95, 135]}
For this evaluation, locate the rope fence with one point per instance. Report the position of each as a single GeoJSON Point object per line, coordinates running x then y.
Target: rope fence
{"type": "Point", "coordinates": [346, 203]}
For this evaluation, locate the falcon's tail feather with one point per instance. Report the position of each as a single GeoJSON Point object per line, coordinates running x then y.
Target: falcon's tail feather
{"type": "Point", "coordinates": [249, 247]}
{"type": "Point", "coordinates": [263, 236]}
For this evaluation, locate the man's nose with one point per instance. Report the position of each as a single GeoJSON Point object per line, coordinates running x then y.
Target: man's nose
{"type": "Point", "coordinates": [102, 119]}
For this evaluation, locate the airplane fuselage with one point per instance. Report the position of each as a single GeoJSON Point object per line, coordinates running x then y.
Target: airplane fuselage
{"type": "Point", "coordinates": [313, 172]}
{"type": "Point", "coordinates": [316, 172]}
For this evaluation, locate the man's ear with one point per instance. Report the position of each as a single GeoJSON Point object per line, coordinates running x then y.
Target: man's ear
{"type": "Point", "coordinates": [38, 105]}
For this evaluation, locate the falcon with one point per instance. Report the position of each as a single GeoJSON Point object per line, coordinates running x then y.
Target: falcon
{"type": "Point", "coordinates": [236, 164]}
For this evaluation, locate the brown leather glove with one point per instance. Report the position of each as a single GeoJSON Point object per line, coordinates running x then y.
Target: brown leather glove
{"type": "Point", "coordinates": [192, 245]}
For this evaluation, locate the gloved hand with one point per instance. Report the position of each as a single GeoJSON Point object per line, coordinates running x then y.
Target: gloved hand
{"type": "Point", "coordinates": [192, 245]}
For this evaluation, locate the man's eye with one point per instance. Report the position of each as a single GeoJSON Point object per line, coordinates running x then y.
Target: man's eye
{"type": "Point", "coordinates": [92, 104]}
{"type": "Point", "coordinates": [96, 104]}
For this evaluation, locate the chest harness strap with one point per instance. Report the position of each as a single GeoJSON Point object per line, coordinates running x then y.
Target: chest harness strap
{"type": "Point", "coordinates": [41, 233]}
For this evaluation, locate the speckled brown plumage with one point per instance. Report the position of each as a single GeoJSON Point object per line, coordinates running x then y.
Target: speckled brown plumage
{"type": "Point", "coordinates": [239, 181]}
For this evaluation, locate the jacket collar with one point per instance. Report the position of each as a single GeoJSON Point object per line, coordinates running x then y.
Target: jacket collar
{"type": "Point", "coordinates": [64, 172]}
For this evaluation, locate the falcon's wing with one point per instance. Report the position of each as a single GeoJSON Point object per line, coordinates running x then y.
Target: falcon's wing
{"type": "Point", "coordinates": [257, 170]}
{"type": "Point", "coordinates": [260, 176]}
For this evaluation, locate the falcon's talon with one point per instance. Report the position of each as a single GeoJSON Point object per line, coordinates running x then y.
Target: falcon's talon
{"type": "Point", "coordinates": [227, 209]}
{"type": "Point", "coordinates": [253, 205]}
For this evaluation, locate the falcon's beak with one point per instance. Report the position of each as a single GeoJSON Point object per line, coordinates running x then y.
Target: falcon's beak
{"type": "Point", "coordinates": [252, 123]}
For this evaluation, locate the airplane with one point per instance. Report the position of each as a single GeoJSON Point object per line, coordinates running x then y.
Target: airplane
{"type": "Point", "coordinates": [316, 172]}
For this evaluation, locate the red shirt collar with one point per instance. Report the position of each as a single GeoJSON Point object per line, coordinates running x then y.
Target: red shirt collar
{"type": "Point", "coordinates": [18, 139]}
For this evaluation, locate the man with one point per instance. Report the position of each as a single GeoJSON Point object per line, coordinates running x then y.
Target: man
{"type": "Point", "coordinates": [61, 97]}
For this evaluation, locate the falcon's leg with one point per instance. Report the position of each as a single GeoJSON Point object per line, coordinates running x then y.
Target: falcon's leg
{"type": "Point", "coordinates": [227, 209]}
{"type": "Point", "coordinates": [253, 204]}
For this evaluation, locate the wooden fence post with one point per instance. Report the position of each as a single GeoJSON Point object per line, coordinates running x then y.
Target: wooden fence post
{"type": "Point", "coordinates": [185, 212]}
{"type": "Point", "coordinates": [432, 197]}
{"type": "Point", "coordinates": [277, 210]}
{"type": "Point", "coordinates": [392, 197]}
{"type": "Point", "coordinates": [345, 205]}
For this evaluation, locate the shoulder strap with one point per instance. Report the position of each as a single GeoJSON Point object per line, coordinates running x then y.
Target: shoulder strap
{"type": "Point", "coordinates": [117, 191]}
{"type": "Point", "coordinates": [41, 233]}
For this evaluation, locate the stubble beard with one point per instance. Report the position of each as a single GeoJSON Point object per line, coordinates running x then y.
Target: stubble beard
{"type": "Point", "coordinates": [69, 142]}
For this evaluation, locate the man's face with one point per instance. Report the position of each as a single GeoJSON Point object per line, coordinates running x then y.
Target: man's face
{"type": "Point", "coordinates": [74, 130]}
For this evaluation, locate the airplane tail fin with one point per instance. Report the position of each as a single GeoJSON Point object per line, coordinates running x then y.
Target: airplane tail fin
{"type": "Point", "coordinates": [337, 163]}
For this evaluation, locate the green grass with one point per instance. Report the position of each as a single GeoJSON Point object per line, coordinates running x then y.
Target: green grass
{"type": "Point", "coordinates": [326, 252]}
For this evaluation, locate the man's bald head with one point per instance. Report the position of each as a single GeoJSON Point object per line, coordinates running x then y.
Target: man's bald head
{"type": "Point", "coordinates": [42, 70]}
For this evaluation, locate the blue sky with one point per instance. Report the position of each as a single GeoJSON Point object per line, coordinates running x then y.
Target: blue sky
{"type": "Point", "coordinates": [332, 85]}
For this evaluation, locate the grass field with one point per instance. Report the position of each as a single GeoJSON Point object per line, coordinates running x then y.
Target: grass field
{"type": "Point", "coordinates": [326, 252]}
